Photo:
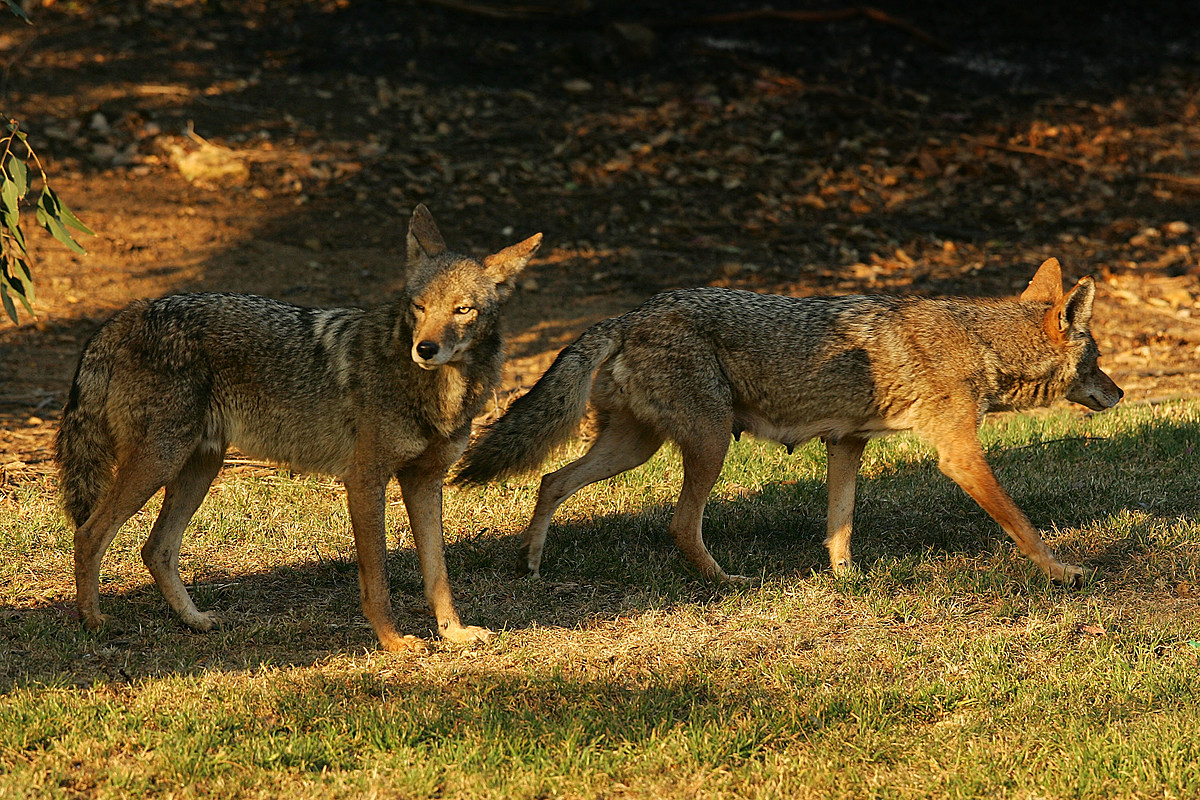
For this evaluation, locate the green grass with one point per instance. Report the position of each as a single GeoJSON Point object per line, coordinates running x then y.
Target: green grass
{"type": "Point", "coordinates": [948, 667]}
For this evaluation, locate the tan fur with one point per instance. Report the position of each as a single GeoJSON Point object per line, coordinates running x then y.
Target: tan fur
{"type": "Point", "coordinates": [696, 365]}
{"type": "Point", "coordinates": [364, 394]}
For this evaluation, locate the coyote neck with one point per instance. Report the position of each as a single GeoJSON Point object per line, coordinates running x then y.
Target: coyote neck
{"type": "Point", "coordinates": [1024, 380]}
{"type": "Point", "coordinates": [449, 397]}
{"type": "Point", "coordinates": [452, 399]}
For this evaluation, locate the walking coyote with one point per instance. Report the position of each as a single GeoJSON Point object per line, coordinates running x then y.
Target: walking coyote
{"type": "Point", "coordinates": [696, 365]}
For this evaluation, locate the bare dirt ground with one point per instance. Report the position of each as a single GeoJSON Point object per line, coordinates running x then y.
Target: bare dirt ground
{"type": "Point", "coordinates": [278, 148]}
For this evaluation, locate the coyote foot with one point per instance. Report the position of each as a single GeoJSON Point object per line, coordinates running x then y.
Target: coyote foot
{"type": "Point", "coordinates": [737, 580]}
{"type": "Point", "coordinates": [204, 621]}
{"type": "Point", "coordinates": [404, 644]}
{"type": "Point", "coordinates": [94, 620]}
{"type": "Point", "coordinates": [466, 634]}
{"type": "Point", "coordinates": [531, 569]}
{"type": "Point", "coordinates": [1066, 574]}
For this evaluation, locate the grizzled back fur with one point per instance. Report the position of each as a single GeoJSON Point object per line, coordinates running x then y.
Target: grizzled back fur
{"type": "Point", "coordinates": [789, 369]}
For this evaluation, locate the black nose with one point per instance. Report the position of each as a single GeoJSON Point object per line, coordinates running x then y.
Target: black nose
{"type": "Point", "coordinates": [427, 349]}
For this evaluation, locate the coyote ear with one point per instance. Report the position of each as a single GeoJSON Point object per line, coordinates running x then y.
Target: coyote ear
{"type": "Point", "coordinates": [424, 238]}
{"type": "Point", "coordinates": [1046, 286]}
{"type": "Point", "coordinates": [504, 266]}
{"type": "Point", "coordinates": [1074, 312]}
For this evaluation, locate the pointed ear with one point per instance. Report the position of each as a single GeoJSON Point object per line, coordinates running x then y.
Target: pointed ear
{"type": "Point", "coordinates": [1074, 312]}
{"type": "Point", "coordinates": [504, 266]}
{"type": "Point", "coordinates": [1046, 286]}
{"type": "Point", "coordinates": [424, 238]}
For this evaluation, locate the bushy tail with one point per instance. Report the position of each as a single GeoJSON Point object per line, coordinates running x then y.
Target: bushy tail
{"type": "Point", "coordinates": [84, 448]}
{"type": "Point", "coordinates": [548, 415]}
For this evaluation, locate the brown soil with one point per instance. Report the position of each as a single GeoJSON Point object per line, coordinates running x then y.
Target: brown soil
{"type": "Point", "coordinates": [653, 147]}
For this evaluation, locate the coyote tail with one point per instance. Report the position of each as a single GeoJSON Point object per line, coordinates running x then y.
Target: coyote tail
{"type": "Point", "coordinates": [546, 416]}
{"type": "Point", "coordinates": [84, 448]}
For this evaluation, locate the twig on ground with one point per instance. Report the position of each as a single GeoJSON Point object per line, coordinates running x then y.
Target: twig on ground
{"type": "Point", "coordinates": [1057, 441]}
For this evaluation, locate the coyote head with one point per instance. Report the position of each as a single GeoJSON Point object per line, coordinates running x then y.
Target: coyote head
{"type": "Point", "coordinates": [1068, 325]}
{"type": "Point", "coordinates": [454, 299]}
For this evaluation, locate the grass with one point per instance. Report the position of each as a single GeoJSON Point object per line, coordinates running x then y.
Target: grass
{"type": "Point", "coordinates": [947, 668]}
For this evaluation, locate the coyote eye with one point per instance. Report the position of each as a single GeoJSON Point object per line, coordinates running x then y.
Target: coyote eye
{"type": "Point", "coordinates": [463, 310]}
{"type": "Point", "coordinates": [418, 307]}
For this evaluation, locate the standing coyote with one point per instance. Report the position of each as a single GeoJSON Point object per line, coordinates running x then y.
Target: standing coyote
{"type": "Point", "coordinates": [695, 365]}
{"type": "Point", "coordinates": [364, 394]}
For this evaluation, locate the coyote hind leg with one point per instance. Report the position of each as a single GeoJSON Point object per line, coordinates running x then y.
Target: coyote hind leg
{"type": "Point", "coordinates": [622, 444]}
{"type": "Point", "coordinates": [160, 553]}
{"type": "Point", "coordinates": [703, 457]}
{"type": "Point", "coordinates": [139, 475]}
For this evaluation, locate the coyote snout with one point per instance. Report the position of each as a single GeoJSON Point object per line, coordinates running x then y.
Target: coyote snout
{"type": "Point", "coordinates": [441, 335]}
{"type": "Point", "coordinates": [1095, 390]}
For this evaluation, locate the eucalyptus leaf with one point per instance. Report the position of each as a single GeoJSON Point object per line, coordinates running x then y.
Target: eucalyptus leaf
{"type": "Point", "coordinates": [11, 197]}
{"type": "Point", "coordinates": [8, 303]}
{"type": "Point", "coordinates": [10, 288]}
{"type": "Point", "coordinates": [49, 202]}
{"type": "Point", "coordinates": [20, 174]}
{"type": "Point", "coordinates": [26, 281]}
{"type": "Point", "coordinates": [17, 236]}
{"type": "Point", "coordinates": [15, 8]}
{"type": "Point", "coordinates": [60, 232]}
{"type": "Point", "coordinates": [69, 218]}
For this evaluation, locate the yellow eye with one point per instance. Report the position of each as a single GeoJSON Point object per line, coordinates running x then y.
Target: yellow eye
{"type": "Point", "coordinates": [463, 310]}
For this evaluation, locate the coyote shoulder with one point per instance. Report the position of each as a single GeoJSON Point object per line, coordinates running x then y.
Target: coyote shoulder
{"type": "Point", "coordinates": [697, 365]}
{"type": "Point", "coordinates": [167, 385]}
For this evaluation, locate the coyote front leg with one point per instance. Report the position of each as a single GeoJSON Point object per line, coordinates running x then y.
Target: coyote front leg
{"type": "Point", "coordinates": [422, 491]}
{"type": "Point", "coordinates": [844, 457]}
{"type": "Point", "coordinates": [961, 458]}
{"type": "Point", "coordinates": [365, 497]}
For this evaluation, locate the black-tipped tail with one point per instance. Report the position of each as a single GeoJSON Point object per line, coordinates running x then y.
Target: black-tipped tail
{"type": "Point", "coordinates": [547, 416]}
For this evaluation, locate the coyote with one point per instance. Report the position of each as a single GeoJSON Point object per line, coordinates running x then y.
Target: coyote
{"type": "Point", "coordinates": [167, 385]}
{"type": "Point", "coordinates": [696, 365]}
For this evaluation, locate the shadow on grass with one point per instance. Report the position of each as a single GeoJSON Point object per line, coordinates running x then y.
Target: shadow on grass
{"type": "Point", "coordinates": [1119, 495]}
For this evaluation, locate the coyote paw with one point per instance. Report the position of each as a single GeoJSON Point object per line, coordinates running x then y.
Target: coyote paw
{"type": "Point", "coordinates": [205, 621]}
{"type": "Point", "coordinates": [404, 644]}
{"type": "Point", "coordinates": [1066, 574]}
{"type": "Point", "coordinates": [844, 566]}
{"type": "Point", "coordinates": [737, 580]}
{"type": "Point", "coordinates": [94, 620]}
{"type": "Point", "coordinates": [466, 634]}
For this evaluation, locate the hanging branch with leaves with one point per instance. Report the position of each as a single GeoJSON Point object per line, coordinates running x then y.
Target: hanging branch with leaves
{"type": "Point", "coordinates": [16, 156]}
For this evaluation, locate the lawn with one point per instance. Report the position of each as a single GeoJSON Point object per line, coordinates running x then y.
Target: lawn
{"type": "Point", "coordinates": [947, 667]}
